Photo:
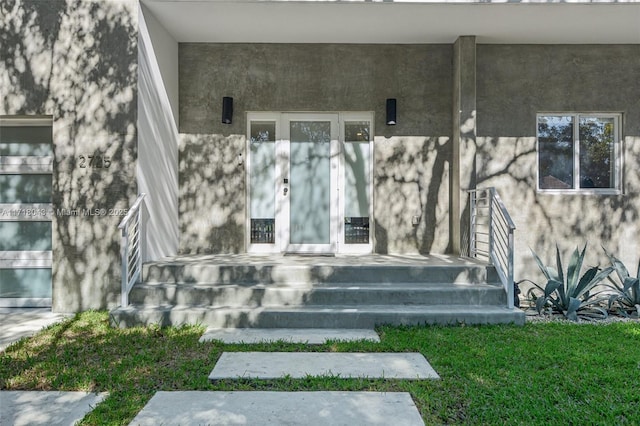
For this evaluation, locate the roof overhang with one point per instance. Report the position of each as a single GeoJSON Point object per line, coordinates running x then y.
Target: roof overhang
{"type": "Point", "coordinates": [399, 21]}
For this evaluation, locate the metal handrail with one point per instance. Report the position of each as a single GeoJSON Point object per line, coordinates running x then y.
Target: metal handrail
{"type": "Point", "coordinates": [495, 236]}
{"type": "Point", "coordinates": [130, 252]}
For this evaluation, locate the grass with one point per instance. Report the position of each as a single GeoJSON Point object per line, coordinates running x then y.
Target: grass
{"type": "Point", "coordinates": [542, 373]}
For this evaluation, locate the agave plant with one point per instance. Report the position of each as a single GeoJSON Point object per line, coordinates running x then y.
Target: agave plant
{"type": "Point", "coordinates": [626, 289]}
{"type": "Point", "coordinates": [571, 294]}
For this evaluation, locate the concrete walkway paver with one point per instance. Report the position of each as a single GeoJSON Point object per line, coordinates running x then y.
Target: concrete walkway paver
{"type": "Point", "coordinates": [46, 408]}
{"type": "Point", "coordinates": [311, 336]}
{"type": "Point", "coordinates": [16, 323]}
{"type": "Point", "coordinates": [279, 408]}
{"type": "Point", "coordinates": [274, 365]}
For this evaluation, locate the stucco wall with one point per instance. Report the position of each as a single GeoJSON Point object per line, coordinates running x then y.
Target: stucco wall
{"type": "Point", "coordinates": [77, 62]}
{"type": "Point", "coordinates": [516, 82]}
{"type": "Point", "coordinates": [157, 172]}
{"type": "Point", "coordinates": [411, 159]}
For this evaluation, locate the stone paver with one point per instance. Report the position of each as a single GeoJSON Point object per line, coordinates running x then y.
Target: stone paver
{"type": "Point", "coordinates": [279, 408]}
{"type": "Point", "coordinates": [273, 365]}
{"type": "Point", "coordinates": [16, 323]}
{"type": "Point", "coordinates": [312, 336]}
{"type": "Point", "coordinates": [46, 408]}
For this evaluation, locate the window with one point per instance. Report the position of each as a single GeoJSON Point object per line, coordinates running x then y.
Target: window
{"type": "Point", "coordinates": [579, 153]}
{"type": "Point", "coordinates": [26, 155]}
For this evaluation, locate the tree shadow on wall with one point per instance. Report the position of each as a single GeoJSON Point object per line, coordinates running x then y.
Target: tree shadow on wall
{"type": "Point", "coordinates": [77, 61]}
{"type": "Point", "coordinates": [212, 202]}
{"type": "Point", "coordinates": [420, 172]}
{"type": "Point", "coordinates": [543, 219]}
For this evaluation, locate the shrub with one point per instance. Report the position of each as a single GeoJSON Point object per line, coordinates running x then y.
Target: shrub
{"type": "Point", "coordinates": [626, 290]}
{"type": "Point", "coordinates": [571, 294]}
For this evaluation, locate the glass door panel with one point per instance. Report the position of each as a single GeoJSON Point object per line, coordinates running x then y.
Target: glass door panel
{"type": "Point", "coordinates": [262, 204]}
{"type": "Point", "coordinates": [357, 163]}
{"type": "Point", "coordinates": [309, 193]}
{"type": "Point", "coordinates": [310, 182]}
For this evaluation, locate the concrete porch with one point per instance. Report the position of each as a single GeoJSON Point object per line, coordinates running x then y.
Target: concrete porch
{"type": "Point", "coordinates": [295, 291]}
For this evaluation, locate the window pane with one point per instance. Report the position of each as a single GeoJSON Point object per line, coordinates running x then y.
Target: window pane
{"type": "Point", "coordinates": [26, 141]}
{"type": "Point", "coordinates": [310, 183]}
{"type": "Point", "coordinates": [597, 162]}
{"type": "Point", "coordinates": [27, 283]}
{"type": "Point", "coordinates": [25, 236]}
{"type": "Point", "coordinates": [356, 131]}
{"type": "Point", "coordinates": [25, 189]}
{"type": "Point", "coordinates": [262, 149]}
{"type": "Point", "coordinates": [357, 160]}
{"type": "Point", "coordinates": [555, 152]}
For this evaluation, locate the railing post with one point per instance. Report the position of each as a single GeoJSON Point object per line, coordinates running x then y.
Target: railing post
{"type": "Point", "coordinates": [500, 235]}
{"type": "Point", "coordinates": [140, 241]}
{"type": "Point", "coordinates": [472, 225]}
{"type": "Point", "coordinates": [124, 253]}
{"type": "Point", "coordinates": [490, 195]}
{"type": "Point", "coordinates": [510, 272]}
{"type": "Point", "coordinates": [128, 278]}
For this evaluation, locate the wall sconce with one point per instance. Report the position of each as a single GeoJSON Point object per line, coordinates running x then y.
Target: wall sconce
{"type": "Point", "coordinates": [227, 110]}
{"type": "Point", "coordinates": [391, 112]}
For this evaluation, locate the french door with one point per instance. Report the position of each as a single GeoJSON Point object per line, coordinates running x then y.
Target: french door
{"type": "Point", "coordinates": [309, 182]}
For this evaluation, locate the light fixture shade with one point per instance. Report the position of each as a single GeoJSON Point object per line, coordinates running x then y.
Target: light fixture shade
{"type": "Point", "coordinates": [227, 110]}
{"type": "Point", "coordinates": [391, 112]}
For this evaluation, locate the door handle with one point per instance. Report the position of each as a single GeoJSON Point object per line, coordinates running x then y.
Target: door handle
{"type": "Point", "coordinates": [286, 190]}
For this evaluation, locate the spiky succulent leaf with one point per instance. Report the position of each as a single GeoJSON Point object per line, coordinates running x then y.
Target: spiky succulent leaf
{"type": "Point", "coordinates": [552, 285]}
{"type": "Point", "coordinates": [560, 274]}
{"type": "Point", "coordinates": [612, 299]}
{"type": "Point", "coordinates": [621, 270]}
{"type": "Point", "coordinates": [593, 280]}
{"type": "Point", "coordinates": [541, 265]}
{"type": "Point", "coordinates": [570, 315]}
{"type": "Point", "coordinates": [540, 304]}
{"type": "Point", "coordinates": [573, 270]}
{"type": "Point", "coordinates": [630, 283]}
{"type": "Point", "coordinates": [584, 281]}
{"type": "Point", "coordinates": [574, 305]}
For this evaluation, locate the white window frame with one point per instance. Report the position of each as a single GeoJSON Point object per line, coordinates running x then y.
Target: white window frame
{"type": "Point", "coordinates": [279, 119]}
{"type": "Point", "coordinates": [618, 154]}
{"type": "Point", "coordinates": [39, 212]}
{"type": "Point", "coordinates": [360, 248]}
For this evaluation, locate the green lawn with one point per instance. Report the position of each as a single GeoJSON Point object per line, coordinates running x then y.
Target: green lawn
{"type": "Point", "coordinates": [542, 373]}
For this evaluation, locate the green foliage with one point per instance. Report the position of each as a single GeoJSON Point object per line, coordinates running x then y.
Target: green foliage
{"type": "Point", "coordinates": [571, 294]}
{"type": "Point", "coordinates": [490, 375]}
{"type": "Point", "coordinates": [626, 290]}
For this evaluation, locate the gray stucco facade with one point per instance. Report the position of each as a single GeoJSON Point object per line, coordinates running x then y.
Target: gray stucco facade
{"type": "Point", "coordinates": [514, 83]}
{"type": "Point", "coordinates": [76, 63]}
{"type": "Point", "coordinates": [411, 158]}
{"type": "Point", "coordinates": [116, 84]}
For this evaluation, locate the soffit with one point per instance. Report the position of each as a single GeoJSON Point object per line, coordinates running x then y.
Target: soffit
{"type": "Point", "coordinates": [240, 21]}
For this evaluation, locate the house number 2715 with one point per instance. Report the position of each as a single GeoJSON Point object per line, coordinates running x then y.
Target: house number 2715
{"type": "Point", "coordinates": [94, 161]}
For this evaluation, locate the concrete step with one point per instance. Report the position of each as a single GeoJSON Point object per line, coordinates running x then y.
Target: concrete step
{"type": "Point", "coordinates": [257, 295]}
{"type": "Point", "coordinates": [314, 273]}
{"type": "Point", "coordinates": [334, 316]}
{"type": "Point", "coordinates": [298, 365]}
{"type": "Point", "coordinates": [280, 408]}
{"type": "Point", "coordinates": [309, 336]}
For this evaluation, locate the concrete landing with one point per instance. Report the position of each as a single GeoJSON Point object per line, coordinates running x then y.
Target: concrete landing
{"type": "Point", "coordinates": [17, 323]}
{"type": "Point", "coordinates": [311, 336]}
{"type": "Point", "coordinates": [46, 408]}
{"type": "Point", "coordinates": [279, 408]}
{"type": "Point", "coordinates": [274, 365]}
